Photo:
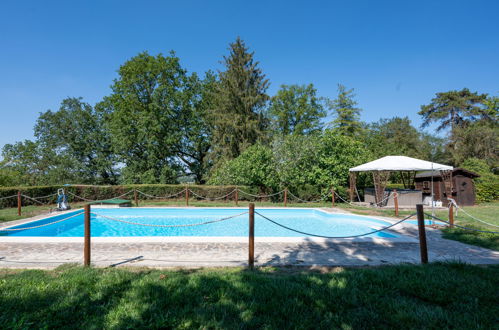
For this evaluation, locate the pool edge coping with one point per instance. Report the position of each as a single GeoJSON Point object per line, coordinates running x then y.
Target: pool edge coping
{"type": "Point", "coordinates": [402, 238]}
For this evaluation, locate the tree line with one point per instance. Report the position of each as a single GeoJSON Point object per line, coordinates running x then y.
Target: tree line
{"type": "Point", "coordinates": [163, 124]}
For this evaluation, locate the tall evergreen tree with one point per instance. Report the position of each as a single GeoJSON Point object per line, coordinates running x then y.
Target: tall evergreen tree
{"type": "Point", "coordinates": [237, 115]}
{"type": "Point", "coordinates": [347, 119]}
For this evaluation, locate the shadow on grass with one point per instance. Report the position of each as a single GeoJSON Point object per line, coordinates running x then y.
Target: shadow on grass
{"type": "Point", "coordinates": [434, 296]}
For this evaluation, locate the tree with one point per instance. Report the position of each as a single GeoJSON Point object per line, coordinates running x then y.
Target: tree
{"type": "Point", "coordinates": [453, 109]}
{"type": "Point", "coordinates": [254, 167]}
{"type": "Point", "coordinates": [297, 110]}
{"type": "Point", "coordinates": [38, 165]}
{"type": "Point", "coordinates": [294, 156]}
{"type": "Point", "coordinates": [77, 132]}
{"type": "Point", "coordinates": [394, 136]}
{"type": "Point", "coordinates": [477, 140]}
{"type": "Point", "coordinates": [144, 111]}
{"type": "Point", "coordinates": [347, 119]}
{"type": "Point", "coordinates": [236, 116]}
{"type": "Point", "coordinates": [195, 142]}
{"type": "Point", "coordinates": [336, 154]}
{"type": "Point", "coordinates": [487, 185]}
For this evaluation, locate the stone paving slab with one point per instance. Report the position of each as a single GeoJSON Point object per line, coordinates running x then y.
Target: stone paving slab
{"type": "Point", "coordinates": [187, 254]}
{"type": "Point", "coordinates": [308, 252]}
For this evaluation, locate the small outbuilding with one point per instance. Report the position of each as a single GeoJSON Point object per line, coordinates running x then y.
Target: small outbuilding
{"type": "Point", "coordinates": [463, 187]}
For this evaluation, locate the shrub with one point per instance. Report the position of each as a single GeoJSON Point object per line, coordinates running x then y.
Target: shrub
{"type": "Point", "coordinates": [487, 185]}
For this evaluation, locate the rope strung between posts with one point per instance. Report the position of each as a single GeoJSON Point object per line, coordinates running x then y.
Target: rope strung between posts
{"type": "Point", "coordinates": [169, 226]}
{"type": "Point", "coordinates": [352, 236]}
{"type": "Point", "coordinates": [160, 197]}
{"type": "Point", "coordinates": [8, 197]}
{"type": "Point", "coordinates": [128, 192]}
{"type": "Point", "coordinates": [42, 197]}
{"type": "Point", "coordinates": [462, 227]}
{"type": "Point", "coordinates": [34, 200]}
{"type": "Point", "coordinates": [46, 224]}
{"type": "Point", "coordinates": [214, 198]}
{"type": "Point", "coordinates": [82, 198]}
{"type": "Point", "coordinates": [453, 202]}
{"type": "Point", "coordinates": [260, 196]}
{"type": "Point", "coordinates": [302, 200]}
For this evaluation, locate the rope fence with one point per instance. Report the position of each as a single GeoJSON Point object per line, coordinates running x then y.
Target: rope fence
{"type": "Point", "coordinates": [87, 217]}
{"type": "Point", "coordinates": [233, 194]}
{"type": "Point", "coordinates": [168, 226]}
{"type": "Point", "coordinates": [335, 237]}
{"type": "Point", "coordinates": [462, 227]}
{"type": "Point", "coordinates": [161, 197]}
{"type": "Point", "coordinates": [40, 226]}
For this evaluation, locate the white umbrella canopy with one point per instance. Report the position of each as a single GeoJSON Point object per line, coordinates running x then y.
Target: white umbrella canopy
{"type": "Point", "coordinates": [400, 163]}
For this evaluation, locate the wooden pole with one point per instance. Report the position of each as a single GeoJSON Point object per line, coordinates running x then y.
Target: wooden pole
{"type": "Point", "coordinates": [236, 199]}
{"type": "Point", "coordinates": [332, 197]}
{"type": "Point", "coordinates": [285, 197]}
{"type": "Point", "coordinates": [135, 197]}
{"type": "Point", "coordinates": [19, 203]}
{"type": "Point", "coordinates": [451, 215]}
{"type": "Point", "coordinates": [422, 234]}
{"type": "Point", "coordinates": [186, 196]}
{"type": "Point", "coordinates": [86, 245]}
{"type": "Point", "coordinates": [396, 202]}
{"type": "Point", "coordinates": [251, 256]}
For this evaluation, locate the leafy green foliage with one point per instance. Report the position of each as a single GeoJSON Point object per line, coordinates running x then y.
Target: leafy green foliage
{"type": "Point", "coordinates": [236, 115]}
{"type": "Point", "coordinates": [294, 156]}
{"type": "Point", "coordinates": [347, 119]}
{"type": "Point", "coordinates": [454, 108]}
{"type": "Point", "coordinates": [38, 164]}
{"type": "Point", "coordinates": [487, 185]}
{"type": "Point", "coordinates": [336, 155]}
{"type": "Point", "coordinates": [295, 161]}
{"type": "Point", "coordinates": [297, 110]}
{"type": "Point", "coordinates": [76, 132]}
{"type": "Point", "coordinates": [477, 140]}
{"type": "Point", "coordinates": [254, 167]}
{"type": "Point", "coordinates": [397, 136]}
{"type": "Point", "coordinates": [146, 103]}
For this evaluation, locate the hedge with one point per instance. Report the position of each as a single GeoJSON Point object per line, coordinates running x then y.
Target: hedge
{"type": "Point", "coordinates": [106, 192]}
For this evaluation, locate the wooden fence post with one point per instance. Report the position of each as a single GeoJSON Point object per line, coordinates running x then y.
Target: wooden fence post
{"type": "Point", "coordinates": [285, 197]}
{"type": "Point", "coordinates": [86, 244]}
{"type": "Point", "coordinates": [451, 215]}
{"type": "Point", "coordinates": [396, 202]}
{"type": "Point", "coordinates": [422, 234]}
{"type": "Point", "coordinates": [237, 196]}
{"type": "Point", "coordinates": [251, 256]}
{"type": "Point", "coordinates": [135, 197]}
{"type": "Point", "coordinates": [19, 203]}
{"type": "Point", "coordinates": [332, 196]}
{"type": "Point", "coordinates": [186, 196]}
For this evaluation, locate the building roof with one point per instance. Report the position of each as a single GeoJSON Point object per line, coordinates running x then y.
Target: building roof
{"type": "Point", "coordinates": [400, 163]}
{"type": "Point", "coordinates": [457, 170]}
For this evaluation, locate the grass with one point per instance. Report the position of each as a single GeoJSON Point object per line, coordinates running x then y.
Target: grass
{"type": "Point", "coordinates": [487, 212]}
{"type": "Point", "coordinates": [10, 214]}
{"type": "Point", "coordinates": [431, 296]}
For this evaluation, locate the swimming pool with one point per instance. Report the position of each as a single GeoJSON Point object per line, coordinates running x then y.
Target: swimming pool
{"type": "Point", "coordinates": [308, 220]}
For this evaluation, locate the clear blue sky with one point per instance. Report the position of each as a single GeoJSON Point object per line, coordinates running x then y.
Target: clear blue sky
{"type": "Point", "coordinates": [396, 54]}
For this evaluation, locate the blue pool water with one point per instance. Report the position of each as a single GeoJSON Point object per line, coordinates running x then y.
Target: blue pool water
{"type": "Point", "coordinates": [307, 220]}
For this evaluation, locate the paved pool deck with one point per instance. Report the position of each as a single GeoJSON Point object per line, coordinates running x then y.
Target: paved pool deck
{"type": "Point", "coordinates": [303, 252]}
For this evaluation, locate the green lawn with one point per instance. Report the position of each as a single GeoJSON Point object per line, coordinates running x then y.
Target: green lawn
{"type": "Point", "coordinates": [431, 296]}
{"type": "Point", "coordinates": [488, 212]}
